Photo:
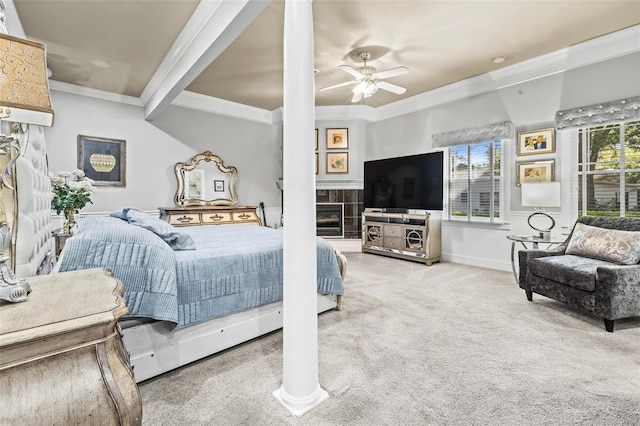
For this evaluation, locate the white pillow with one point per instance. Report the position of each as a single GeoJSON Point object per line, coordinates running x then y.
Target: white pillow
{"type": "Point", "coordinates": [612, 245]}
{"type": "Point", "coordinates": [177, 240]}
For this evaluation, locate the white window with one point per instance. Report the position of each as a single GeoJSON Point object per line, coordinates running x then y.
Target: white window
{"type": "Point", "coordinates": [609, 170]}
{"type": "Point", "coordinates": [475, 182]}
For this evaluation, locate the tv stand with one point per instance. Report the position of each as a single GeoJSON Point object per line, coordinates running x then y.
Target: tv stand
{"type": "Point", "coordinates": [413, 237]}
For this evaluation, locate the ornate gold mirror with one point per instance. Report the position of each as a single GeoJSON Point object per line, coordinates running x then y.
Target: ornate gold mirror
{"type": "Point", "coordinates": [205, 181]}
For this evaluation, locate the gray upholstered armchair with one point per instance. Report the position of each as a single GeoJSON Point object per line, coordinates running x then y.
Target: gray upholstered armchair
{"type": "Point", "coordinates": [596, 268]}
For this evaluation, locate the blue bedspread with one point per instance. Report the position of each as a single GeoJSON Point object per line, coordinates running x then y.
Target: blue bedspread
{"type": "Point", "coordinates": [234, 268]}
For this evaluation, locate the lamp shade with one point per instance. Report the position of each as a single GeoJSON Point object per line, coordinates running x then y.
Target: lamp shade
{"type": "Point", "coordinates": [543, 194]}
{"type": "Point", "coordinates": [24, 88]}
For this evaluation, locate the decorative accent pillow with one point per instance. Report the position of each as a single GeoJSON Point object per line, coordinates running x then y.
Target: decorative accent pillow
{"type": "Point", "coordinates": [612, 245]}
{"type": "Point", "coordinates": [177, 240]}
{"type": "Point", "coordinates": [122, 214]}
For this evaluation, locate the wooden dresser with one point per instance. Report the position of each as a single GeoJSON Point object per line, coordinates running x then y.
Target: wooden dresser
{"type": "Point", "coordinates": [209, 215]}
{"type": "Point", "coordinates": [62, 357]}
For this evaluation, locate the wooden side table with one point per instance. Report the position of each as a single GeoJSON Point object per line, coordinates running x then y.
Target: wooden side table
{"type": "Point", "coordinates": [62, 360]}
{"type": "Point", "coordinates": [61, 238]}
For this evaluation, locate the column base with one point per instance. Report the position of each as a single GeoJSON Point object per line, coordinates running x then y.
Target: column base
{"type": "Point", "coordinates": [300, 406]}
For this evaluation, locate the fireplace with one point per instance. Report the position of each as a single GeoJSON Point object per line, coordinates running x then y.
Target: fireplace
{"type": "Point", "coordinates": [329, 220]}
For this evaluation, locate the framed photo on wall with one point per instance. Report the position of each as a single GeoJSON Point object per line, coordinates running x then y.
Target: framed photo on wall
{"type": "Point", "coordinates": [103, 160]}
{"type": "Point", "coordinates": [218, 185]}
{"type": "Point", "coordinates": [337, 138]}
{"type": "Point", "coordinates": [535, 172]}
{"type": "Point", "coordinates": [337, 162]}
{"type": "Point", "coordinates": [537, 142]}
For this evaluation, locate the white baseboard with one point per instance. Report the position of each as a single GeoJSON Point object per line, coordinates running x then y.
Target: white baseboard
{"type": "Point", "coordinates": [346, 245]}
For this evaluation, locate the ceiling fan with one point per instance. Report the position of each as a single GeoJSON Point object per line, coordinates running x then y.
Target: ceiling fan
{"type": "Point", "coordinates": [369, 80]}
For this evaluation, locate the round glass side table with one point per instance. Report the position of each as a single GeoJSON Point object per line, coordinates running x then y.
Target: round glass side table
{"type": "Point", "coordinates": [529, 242]}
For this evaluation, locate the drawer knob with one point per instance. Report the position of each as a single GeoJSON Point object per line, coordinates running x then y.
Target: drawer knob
{"type": "Point", "coordinates": [184, 219]}
{"type": "Point", "coordinates": [216, 217]}
{"type": "Point", "coordinates": [244, 216]}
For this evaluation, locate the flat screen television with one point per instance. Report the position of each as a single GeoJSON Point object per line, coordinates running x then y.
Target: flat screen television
{"type": "Point", "coordinates": [413, 182]}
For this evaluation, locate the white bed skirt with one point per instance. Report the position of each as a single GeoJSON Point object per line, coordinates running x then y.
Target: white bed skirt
{"type": "Point", "coordinates": [154, 349]}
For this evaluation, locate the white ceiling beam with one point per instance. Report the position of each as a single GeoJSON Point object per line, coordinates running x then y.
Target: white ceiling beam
{"type": "Point", "coordinates": [209, 31]}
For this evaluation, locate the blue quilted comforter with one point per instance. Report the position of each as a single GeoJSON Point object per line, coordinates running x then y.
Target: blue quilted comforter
{"type": "Point", "coordinates": [234, 268]}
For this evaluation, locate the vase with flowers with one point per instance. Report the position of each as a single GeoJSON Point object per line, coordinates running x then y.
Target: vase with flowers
{"type": "Point", "coordinates": [71, 192]}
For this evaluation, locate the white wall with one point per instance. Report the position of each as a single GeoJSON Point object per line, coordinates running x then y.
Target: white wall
{"type": "Point", "coordinates": [153, 148]}
{"type": "Point", "coordinates": [529, 105]}
{"type": "Point", "coordinates": [255, 148]}
{"type": "Point", "coordinates": [356, 151]}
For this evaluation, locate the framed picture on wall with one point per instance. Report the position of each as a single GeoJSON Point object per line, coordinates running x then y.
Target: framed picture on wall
{"type": "Point", "coordinates": [535, 172]}
{"type": "Point", "coordinates": [337, 162]}
{"type": "Point", "coordinates": [337, 138]}
{"type": "Point", "coordinates": [316, 139]}
{"type": "Point", "coordinates": [537, 142]}
{"type": "Point", "coordinates": [316, 163]}
{"type": "Point", "coordinates": [218, 185]}
{"type": "Point", "coordinates": [103, 160]}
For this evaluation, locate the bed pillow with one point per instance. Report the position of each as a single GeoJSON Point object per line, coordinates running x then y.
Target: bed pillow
{"type": "Point", "coordinates": [122, 214]}
{"type": "Point", "coordinates": [177, 240]}
{"type": "Point", "coordinates": [612, 245]}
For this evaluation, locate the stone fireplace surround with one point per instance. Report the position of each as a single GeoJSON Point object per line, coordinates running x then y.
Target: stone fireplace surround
{"type": "Point", "coordinates": [353, 200]}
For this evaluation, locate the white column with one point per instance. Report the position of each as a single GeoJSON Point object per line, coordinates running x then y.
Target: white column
{"type": "Point", "coordinates": [300, 390]}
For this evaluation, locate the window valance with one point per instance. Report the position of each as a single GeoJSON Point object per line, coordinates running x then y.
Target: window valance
{"type": "Point", "coordinates": [501, 130]}
{"type": "Point", "coordinates": [599, 114]}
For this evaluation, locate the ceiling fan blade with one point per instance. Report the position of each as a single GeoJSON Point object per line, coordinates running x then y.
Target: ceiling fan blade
{"type": "Point", "coordinates": [392, 72]}
{"type": "Point", "coordinates": [336, 85]}
{"type": "Point", "coordinates": [348, 69]}
{"type": "Point", "coordinates": [356, 97]}
{"type": "Point", "coordinates": [391, 88]}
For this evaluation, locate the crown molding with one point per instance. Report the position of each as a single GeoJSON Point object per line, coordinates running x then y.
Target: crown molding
{"type": "Point", "coordinates": [94, 93]}
{"type": "Point", "coordinates": [600, 49]}
{"type": "Point", "coordinates": [213, 105]}
{"type": "Point", "coordinates": [210, 30]}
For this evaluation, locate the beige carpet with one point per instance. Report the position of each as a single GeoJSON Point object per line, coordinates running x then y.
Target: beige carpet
{"type": "Point", "coordinates": [415, 345]}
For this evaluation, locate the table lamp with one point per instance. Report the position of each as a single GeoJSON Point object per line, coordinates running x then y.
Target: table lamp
{"type": "Point", "coordinates": [538, 195]}
{"type": "Point", "coordinates": [24, 99]}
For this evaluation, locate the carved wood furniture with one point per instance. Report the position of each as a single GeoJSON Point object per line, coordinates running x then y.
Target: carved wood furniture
{"type": "Point", "coordinates": [209, 215]}
{"type": "Point", "coordinates": [406, 236]}
{"type": "Point", "coordinates": [62, 357]}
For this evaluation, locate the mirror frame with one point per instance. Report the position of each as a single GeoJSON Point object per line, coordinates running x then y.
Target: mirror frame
{"type": "Point", "coordinates": [207, 156]}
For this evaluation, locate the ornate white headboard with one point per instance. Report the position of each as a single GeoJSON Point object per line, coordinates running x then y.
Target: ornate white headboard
{"type": "Point", "coordinates": [33, 242]}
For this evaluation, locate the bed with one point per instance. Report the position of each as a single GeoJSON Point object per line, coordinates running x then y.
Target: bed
{"type": "Point", "coordinates": [192, 291]}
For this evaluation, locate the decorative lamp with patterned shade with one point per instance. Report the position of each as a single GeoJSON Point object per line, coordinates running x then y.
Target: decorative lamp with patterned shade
{"type": "Point", "coordinates": [24, 99]}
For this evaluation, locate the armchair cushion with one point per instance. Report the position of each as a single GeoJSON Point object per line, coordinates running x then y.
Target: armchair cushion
{"type": "Point", "coordinates": [622, 247]}
{"type": "Point", "coordinates": [574, 271]}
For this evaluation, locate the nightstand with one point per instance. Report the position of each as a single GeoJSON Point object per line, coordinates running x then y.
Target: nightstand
{"type": "Point", "coordinates": [61, 238]}
{"type": "Point", "coordinates": [62, 360]}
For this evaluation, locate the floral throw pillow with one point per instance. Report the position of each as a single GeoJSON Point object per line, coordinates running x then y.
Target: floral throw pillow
{"type": "Point", "coordinates": [612, 245]}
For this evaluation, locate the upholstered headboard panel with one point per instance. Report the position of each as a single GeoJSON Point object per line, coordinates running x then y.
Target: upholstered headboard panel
{"type": "Point", "coordinates": [33, 243]}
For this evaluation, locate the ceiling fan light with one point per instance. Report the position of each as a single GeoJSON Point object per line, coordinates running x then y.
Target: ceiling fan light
{"type": "Point", "coordinates": [366, 87]}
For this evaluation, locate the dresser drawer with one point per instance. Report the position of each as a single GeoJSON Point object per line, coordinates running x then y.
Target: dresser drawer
{"type": "Point", "coordinates": [393, 242]}
{"type": "Point", "coordinates": [245, 217]}
{"type": "Point", "coordinates": [392, 231]}
{"type": "Point", "coordinates": [216, 217]}
{"type": "Point", "coordinates": [185, 219]}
